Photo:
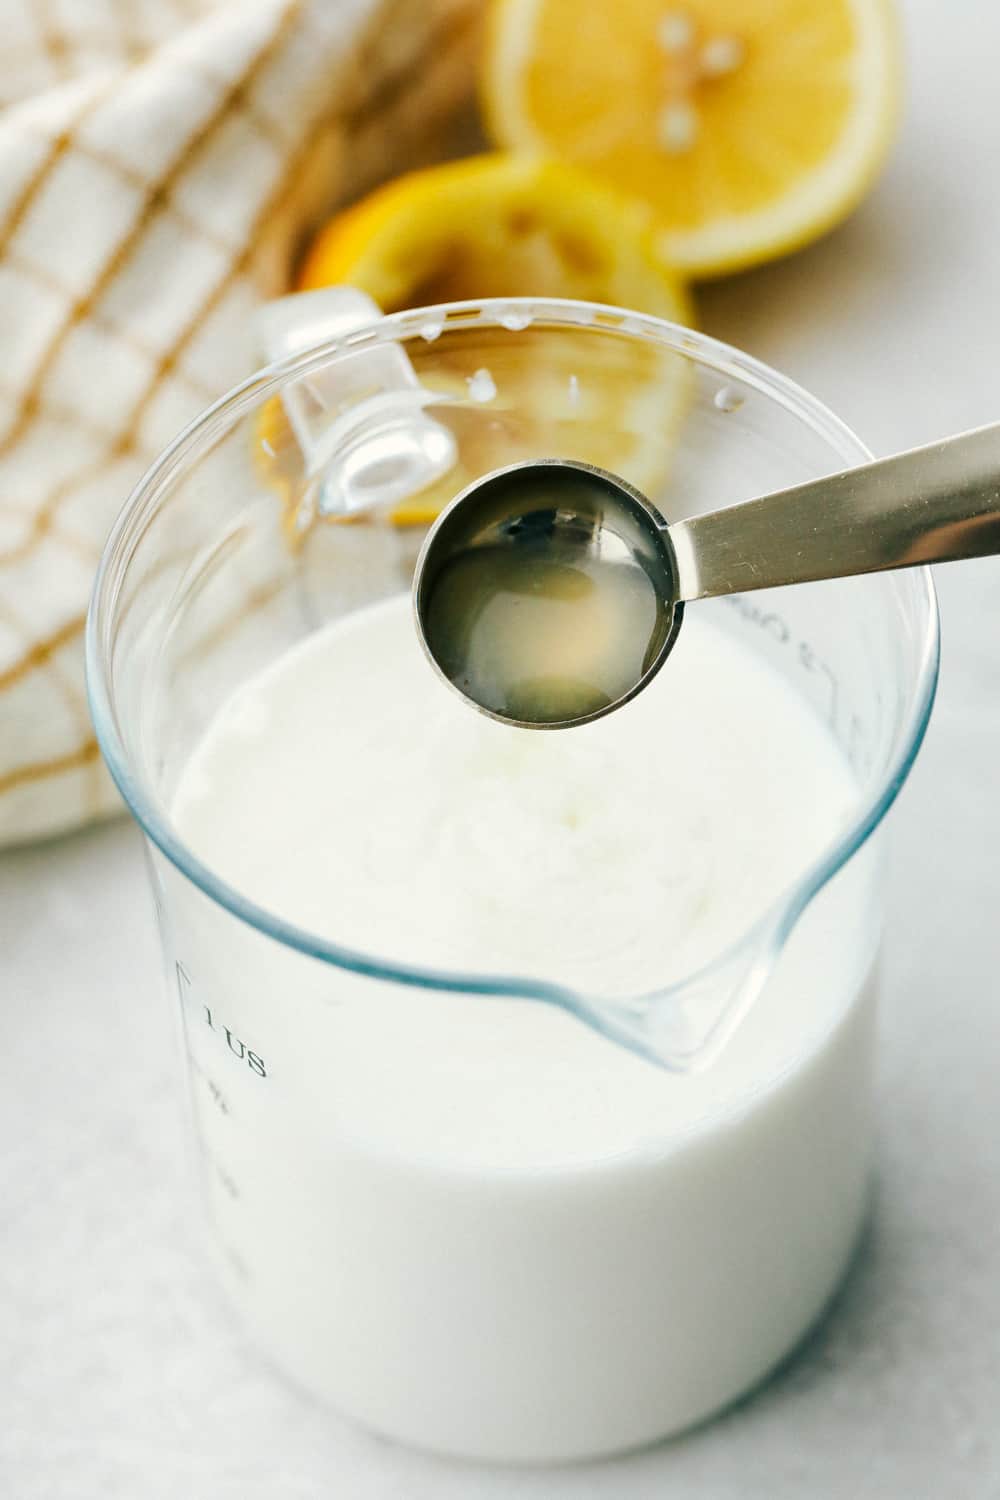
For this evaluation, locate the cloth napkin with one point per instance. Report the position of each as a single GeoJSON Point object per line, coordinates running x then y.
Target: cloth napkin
{"type": "Point", "coordinates": [160, 163]}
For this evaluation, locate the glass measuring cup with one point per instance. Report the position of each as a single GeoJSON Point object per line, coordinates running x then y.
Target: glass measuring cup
{"type": "Point", "coordinates": [233, 548]}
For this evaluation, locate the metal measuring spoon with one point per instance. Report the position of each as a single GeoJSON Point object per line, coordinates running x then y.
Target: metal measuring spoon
{"type": "Point", "coordinates": [549, 593]}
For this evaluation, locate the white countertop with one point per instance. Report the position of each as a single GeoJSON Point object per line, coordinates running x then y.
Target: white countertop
{"type": "Point", "coordinates": [120, 1372]}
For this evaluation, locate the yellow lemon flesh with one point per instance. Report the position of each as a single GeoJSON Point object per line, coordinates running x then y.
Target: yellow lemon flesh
{"type": "Point", "coordinates": [507, 226]}
{"type": "Point", "coordinates": [748, 126]}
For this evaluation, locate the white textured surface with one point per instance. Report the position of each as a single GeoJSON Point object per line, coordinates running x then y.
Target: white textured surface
{"type": "Point", "coordinates": [120, 1374]}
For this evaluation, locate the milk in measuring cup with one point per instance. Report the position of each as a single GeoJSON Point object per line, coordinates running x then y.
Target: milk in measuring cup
{"type": "Point", "coordinates": [469, 1222]}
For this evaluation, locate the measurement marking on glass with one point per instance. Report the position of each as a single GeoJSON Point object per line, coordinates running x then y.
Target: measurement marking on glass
{"type": "Point", "coordinates": [183, 986]}
{"type": "Point", "coordinates": [814, 663]}
{"type": "Point", "coordinates": [238, 1264]}
{"type": "Point", "coordinates": [218, 1097]}
{"type": "Point", "coordinates": [777, 628]}
{"type": "Point", "coordinates": [236, 1046]}
{"type": "Point", "coordinates": [227, 1181]}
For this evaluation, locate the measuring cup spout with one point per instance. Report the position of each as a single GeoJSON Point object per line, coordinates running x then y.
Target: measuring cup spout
{"type": "Point", "coordinates": [684, 1026]}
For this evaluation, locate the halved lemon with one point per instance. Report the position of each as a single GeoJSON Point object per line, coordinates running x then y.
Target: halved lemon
{"type": "Point", "coordinates": [749, 126]}
{"type": "Point", "coordinates": [508, 226]}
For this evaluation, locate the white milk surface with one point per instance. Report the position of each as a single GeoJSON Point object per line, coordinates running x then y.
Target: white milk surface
{"type": "Point", "coordinates": [471, 1222]}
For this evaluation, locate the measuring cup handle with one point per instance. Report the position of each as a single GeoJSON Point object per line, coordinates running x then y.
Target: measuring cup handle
{"type": "Point", "coordinates": [933, 504]}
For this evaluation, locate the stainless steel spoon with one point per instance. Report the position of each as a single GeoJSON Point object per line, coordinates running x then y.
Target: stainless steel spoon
{"type": "Point", "coordinates": [551, 592]}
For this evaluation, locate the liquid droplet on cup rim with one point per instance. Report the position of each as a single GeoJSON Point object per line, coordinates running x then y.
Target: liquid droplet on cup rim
{"type": "Point", "coordinates": [727, 398]}
{"type": "Point", "coordinates": [515, 320]}
{"type": "Point", "coordinates": [482, 386]}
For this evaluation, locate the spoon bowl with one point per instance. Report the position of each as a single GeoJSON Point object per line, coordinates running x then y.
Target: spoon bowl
{"type": "Point", "coordinates": [547, 593]}
{"type": "Point", "coordinates": [551, 592]}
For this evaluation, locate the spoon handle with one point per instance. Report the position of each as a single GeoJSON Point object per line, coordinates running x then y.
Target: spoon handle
{"type": "Point", "coordinates": [933, 504]}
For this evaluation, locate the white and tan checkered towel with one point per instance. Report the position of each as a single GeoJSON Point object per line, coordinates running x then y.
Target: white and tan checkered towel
{"type": "Point", "coordinates": [160, 161]}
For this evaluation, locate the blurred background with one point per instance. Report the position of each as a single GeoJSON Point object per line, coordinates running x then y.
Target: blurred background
{"type": "Point", "coordinates": [253, 125]}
